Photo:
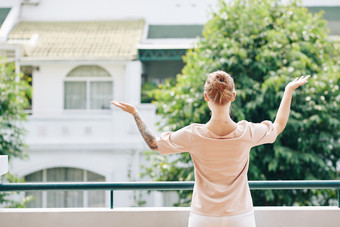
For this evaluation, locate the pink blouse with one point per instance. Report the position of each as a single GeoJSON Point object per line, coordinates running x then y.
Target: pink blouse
{"type": "Point", "coordinates": [221, 164]}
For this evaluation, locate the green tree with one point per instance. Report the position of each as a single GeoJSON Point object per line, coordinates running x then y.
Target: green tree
{"type": "Point", "coordinates": [13, 99]}
{"type": "Point", "coordinates": [263, 45]}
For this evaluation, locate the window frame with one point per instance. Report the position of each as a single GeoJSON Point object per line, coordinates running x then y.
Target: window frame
{"type": "Point", "coordinates": [88, 81]}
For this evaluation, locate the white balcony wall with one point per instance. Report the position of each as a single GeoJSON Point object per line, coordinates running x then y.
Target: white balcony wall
{"type": "Point", "coordinates": [165, 217]}
{"type": "Point", "coordinates": [107, 129]}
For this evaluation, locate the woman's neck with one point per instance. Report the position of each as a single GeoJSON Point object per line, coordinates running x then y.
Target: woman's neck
{"type": "Point", "coordinates": [220, 122]}
{"type": "Point", "coordinates": [220, 113]}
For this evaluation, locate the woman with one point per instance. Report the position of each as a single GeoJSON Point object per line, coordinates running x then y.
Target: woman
{"type": "Point", "coordinates": [220, 152]}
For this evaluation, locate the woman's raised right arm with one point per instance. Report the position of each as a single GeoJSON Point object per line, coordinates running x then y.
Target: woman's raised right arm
{"type": "Point", "coordinates": [284, 109]}
{"type": "Point", "coordinates": [148, 136]}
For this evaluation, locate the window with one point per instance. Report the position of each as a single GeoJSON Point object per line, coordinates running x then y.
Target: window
{"type": "Point", "coordinates": [88, 87]}
{"type": "Point", "coordinates": [53, 199]}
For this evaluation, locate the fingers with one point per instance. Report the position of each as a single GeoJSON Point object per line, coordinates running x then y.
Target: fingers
{"type": "Point", "coordinates": [114, 102]}
{"type": "Point", "coordinates": [302, 79]}
{"type": "Point", "coordinates": [124, 104]}
{"type": "Point", "coordinates": [118, 104]}
{"type": "Point", "coordinates": [305, 77]}
{"type": "Point", "coordinates": [297, 82]}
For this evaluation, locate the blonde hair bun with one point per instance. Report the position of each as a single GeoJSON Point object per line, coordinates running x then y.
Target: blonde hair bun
{"type": "Point", "coordinates": [219, 87]}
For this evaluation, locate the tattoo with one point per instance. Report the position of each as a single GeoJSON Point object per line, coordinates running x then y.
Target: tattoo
{"type": "Point", "coordinates": [146, 133]}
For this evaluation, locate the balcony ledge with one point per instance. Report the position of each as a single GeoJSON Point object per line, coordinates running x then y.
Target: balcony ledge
{"type": "Point", "coordinates": [160, 216]}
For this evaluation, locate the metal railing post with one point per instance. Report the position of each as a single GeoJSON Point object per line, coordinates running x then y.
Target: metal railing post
{"type": "Point", "coordinates": [111, 199]}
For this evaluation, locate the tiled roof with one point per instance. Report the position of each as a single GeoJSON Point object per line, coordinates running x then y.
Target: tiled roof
{"type": "Point", "coordinates": [80, 40]}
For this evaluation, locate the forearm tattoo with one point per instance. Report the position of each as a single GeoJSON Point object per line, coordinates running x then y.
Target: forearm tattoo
{"type": "Point", "coordinates": [146, 133]}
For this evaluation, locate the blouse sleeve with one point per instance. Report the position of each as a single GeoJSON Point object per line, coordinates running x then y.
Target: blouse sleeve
{"type": "Point", "coordinates": [262, 133]}
{"type": "Point", "coordinates": [175, 142]}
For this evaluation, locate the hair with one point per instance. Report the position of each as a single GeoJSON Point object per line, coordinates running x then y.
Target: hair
{"type": "Point", "coordinates": [219, 87]}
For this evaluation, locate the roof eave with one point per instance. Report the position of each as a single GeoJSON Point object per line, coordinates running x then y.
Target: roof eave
{"type": "Point", "coordinates": [78, 60]}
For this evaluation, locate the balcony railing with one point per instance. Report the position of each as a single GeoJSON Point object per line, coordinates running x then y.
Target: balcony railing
{"type": "Point", "coordinates": [170, 185]}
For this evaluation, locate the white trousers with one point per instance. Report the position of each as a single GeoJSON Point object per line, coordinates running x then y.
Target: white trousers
{"type": "Point", "coordinates": [240, 220]}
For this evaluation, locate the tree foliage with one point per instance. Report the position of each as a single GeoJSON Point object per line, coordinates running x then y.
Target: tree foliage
{"type": "Point", "coordinates": [13, 99]}
{"type": "Point", "coordinates": [263, 44]}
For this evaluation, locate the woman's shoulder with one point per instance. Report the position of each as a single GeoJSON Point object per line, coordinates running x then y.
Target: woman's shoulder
{"type": "Point", "coordinates": [195, 125]}
{"type": "Point", "coordinates": [201, 130]}
{"type": "Point", "coordinates": [242, 122]}
{"type": "Point", "coordinates": [201, 125]}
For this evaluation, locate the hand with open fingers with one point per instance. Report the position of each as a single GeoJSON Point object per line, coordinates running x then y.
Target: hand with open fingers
{"type": "Point", "coordinates": [125, 106]}
{"type": "Point", "coordinates": [297, 83]}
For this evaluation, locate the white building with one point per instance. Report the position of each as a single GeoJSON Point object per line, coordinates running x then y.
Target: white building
{"type": "Point", "coordinates": [81, 54]}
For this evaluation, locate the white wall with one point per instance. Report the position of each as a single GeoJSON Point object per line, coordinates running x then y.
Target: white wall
{"type": "Point", "coordinates": [154, 11]}
{"type": "Point", "coordinates": [3, 164]}
{"type": "Point", "coordinates": [51, 124]}
{"type": "Point", "coordinates": [48, 85]}
{"type": "Point", "coordinates": [321, 2]}
{"type": "Point", "coordinates": [106, 142]}
{"type": "Point", "coordinates": [111, 129]}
